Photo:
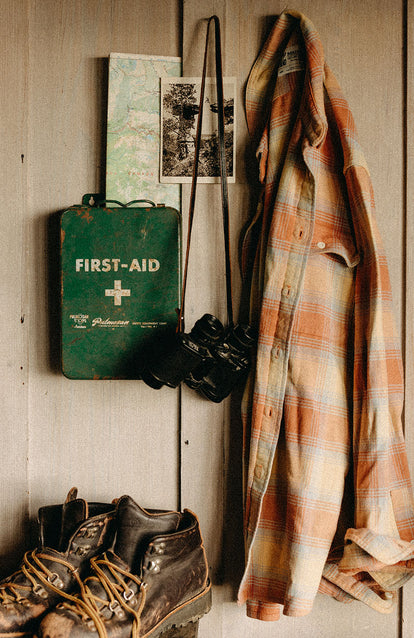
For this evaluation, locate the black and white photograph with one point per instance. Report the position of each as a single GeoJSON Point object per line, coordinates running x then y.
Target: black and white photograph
{"type": "Point", "coordinates": [180, 104]}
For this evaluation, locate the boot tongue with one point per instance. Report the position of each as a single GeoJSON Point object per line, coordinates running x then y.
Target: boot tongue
{"type": "Point", "coordinates": [135, 528]}
{"type": "Point", "coordinates": [74, 512]}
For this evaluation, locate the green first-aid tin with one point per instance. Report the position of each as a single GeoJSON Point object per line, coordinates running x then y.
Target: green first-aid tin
{"type": "Point", "coordinates": [120, 284]}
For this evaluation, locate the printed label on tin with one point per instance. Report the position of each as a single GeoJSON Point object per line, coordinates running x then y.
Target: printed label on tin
{"type": "Point", "coordinates": [83, 321]}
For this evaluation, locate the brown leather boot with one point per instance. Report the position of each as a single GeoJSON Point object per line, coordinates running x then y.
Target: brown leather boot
{"type": "Point", "coordinates": [153, 582]}
{"type": "Point", "coordinates": [70, 534]}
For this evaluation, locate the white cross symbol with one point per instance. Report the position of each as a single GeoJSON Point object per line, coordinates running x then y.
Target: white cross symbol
{"type": "Point", "coordinates": [117, 292]}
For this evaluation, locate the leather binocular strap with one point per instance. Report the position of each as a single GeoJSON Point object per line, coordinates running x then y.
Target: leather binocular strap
{"type": "Point", "coordinates": [223, 174]}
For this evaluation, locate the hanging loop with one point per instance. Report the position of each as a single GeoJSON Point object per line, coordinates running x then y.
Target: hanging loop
{"type": "Point", "coordinates": [223, 174]}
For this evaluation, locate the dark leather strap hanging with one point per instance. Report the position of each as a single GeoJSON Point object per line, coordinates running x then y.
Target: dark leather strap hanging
{"type": "Point", "coordinates": [223, 175]}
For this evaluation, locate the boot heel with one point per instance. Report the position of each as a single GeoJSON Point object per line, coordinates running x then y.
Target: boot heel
{"type": "Point", "coordinates": [188, 631]}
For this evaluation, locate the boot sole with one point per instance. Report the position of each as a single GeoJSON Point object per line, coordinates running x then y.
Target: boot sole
{"type": "Point", "coordinates": [16, 634]}
{"type": "Point", "coordinates": [188, 631]}
{"type": "Point", "coordinates": [187, 614]}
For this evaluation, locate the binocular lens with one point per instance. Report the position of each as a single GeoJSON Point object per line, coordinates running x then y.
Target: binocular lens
{"type": "Point", "coordinates": [208, 358]}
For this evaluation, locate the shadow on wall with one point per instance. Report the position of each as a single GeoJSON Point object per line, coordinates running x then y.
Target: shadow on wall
{"type": "Point", "coordinates": [53, 296]}
{"type": "Point", "coordinates": [24, 538]}
{"type": "Point", "coordinates": [54, 291]}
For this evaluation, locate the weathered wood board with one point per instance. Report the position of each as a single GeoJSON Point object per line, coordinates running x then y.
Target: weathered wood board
{"type": "Point", "coordinates": [168, 448]}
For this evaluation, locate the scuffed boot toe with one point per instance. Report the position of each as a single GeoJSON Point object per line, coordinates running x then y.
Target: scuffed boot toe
{"type": "Point", "coordinates": [56, 625]}
{"type": "Point", "coordinates": [152, 583]}
{"type": "Point", "coordinates": [70, 534]}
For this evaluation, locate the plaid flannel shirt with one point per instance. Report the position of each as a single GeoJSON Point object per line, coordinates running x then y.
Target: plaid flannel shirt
{"type": "Point", "coordinates": [328, 501]}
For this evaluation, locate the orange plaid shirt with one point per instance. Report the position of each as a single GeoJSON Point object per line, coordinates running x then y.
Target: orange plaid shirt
{"type": "Point", "coordinates": [328, 502]}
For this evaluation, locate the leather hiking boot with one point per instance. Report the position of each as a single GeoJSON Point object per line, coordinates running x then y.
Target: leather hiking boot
{"type": "Point", "coordinates": [70, 534]}
{"type": "Point", "coordinates": [153, 582]}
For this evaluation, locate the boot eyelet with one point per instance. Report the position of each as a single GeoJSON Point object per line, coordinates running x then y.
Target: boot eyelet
{"type": "Point", "coordinates": [40, 591]}
{"type": "Point", "coordinates": [81, 551]}
{"type": "Point", "coordinates": [153, 566]}
{"type": "Point", "coordinates": [55, 580]}
{"type": "Point", "coordinates": [128, 595]}
{"type": "Point", "coordinates": [159, 549]}
{"type": "Point", "coordinates": [91, 531]}
{"type": "Point", "coordinates": [116, 609]}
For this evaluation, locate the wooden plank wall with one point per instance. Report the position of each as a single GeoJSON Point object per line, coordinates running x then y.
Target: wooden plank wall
{"type": "Point", "coordinates": [407, 626]}
{"type": "Point", "coordinates": [107, 438]}
{"type": "Point", "coordinates": [351, 33]}
{"type": "Point", "coordinates": [13, 290]}
{"type": "Point", "coordinates": [168, 449]}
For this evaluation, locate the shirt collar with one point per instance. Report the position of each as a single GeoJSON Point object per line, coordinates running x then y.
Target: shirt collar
{"type": "Point", "coordinates": [262, 77]}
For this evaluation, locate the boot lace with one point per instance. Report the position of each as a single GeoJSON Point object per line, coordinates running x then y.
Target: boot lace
{"type": "Point", "coordinates": [113, 593]}
{"type": "Point", "coordinates": [38, 579]}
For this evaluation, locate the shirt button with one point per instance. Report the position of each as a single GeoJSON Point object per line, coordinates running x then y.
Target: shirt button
{"type": "Point", "coordinates": [321, 245]}
{"type": "Point", "coordinates": [258, 471]}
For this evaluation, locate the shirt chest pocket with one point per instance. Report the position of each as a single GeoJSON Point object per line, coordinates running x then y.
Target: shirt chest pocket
{"type": "Point", "coordinates": [328, 294]}
{"type": "Point", "coordinates": [340, 250]}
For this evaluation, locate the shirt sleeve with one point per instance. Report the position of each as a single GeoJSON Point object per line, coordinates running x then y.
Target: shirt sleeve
{"type": "Point", "coordinates": [380, 543]}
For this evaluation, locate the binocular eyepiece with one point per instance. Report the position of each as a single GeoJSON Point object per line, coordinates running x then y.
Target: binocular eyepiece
{"type": "Point", "coordinates": [209, 359]}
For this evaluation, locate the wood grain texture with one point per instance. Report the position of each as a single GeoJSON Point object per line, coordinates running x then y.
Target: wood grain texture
{"type": "Point", "coordinates": [408, 593]}
{"type": "Point", "coordinates": [167, 448]}
{"type": "Point", "coordinates": [15, 315]}
{"type": "Point", "coordinates": [372, 79]}
{"type": "Point", "coordinates": [108, 437]}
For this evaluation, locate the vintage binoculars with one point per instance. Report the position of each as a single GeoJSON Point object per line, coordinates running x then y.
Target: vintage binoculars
{"type": "Point", "coordinates": [209, 359]}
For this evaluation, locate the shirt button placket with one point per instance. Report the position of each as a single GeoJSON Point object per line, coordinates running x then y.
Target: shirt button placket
{"type": "Point", "coordinates": [299, 232]}
{"type": "Point", "coordinates": [276, 351]}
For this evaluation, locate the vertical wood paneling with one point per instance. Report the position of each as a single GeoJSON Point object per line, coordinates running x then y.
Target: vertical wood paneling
{"type": "Point", "coordinates": [107, 437]}
{"type": "Point", "coordinates": [205, 471]}
{"type": "Point", "coordinates": [371, 77]}
{"type": "Point", "coordinates": [120, 436]}
{"type": "Point", "coordinates": [13, 287]}
{"type": "Point", "coordinates": [408, 593]}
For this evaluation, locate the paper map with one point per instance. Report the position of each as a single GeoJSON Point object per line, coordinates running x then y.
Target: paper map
{"type": "Point", "coordinates": [133, 129]}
